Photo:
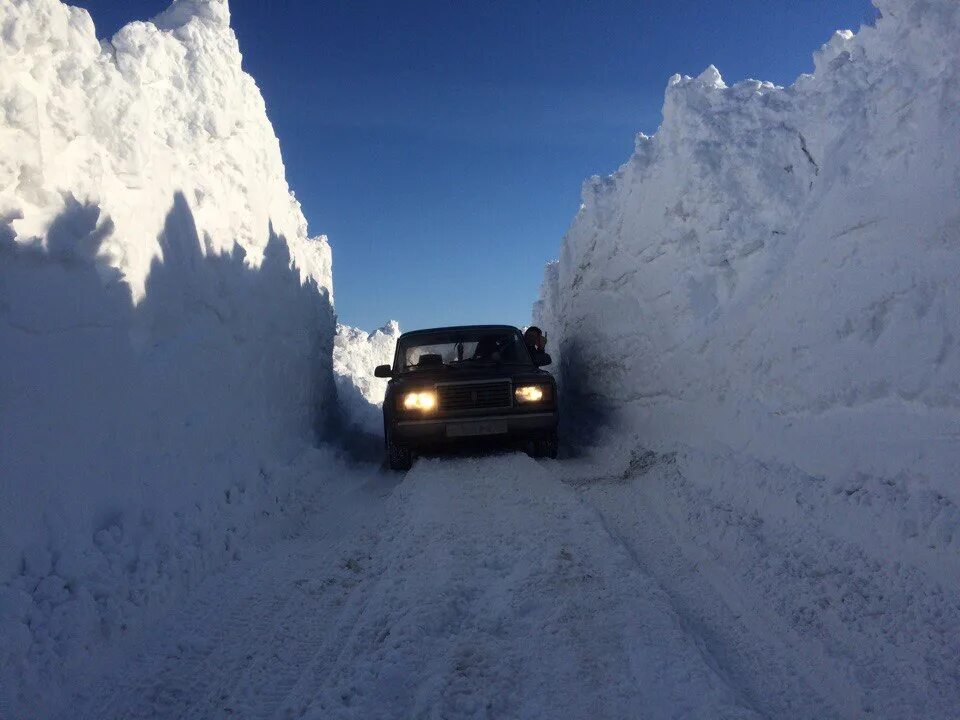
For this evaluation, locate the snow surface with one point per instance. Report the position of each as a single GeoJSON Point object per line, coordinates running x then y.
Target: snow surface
{"type": "Point", "coordinates": [756, 317]}
{"type": "Point", "coordinates": [356, 354]}
{"type": "Point", "coordinates": [166, 326]}
{"type": "Point", "coordinates": [775, 270]}
{"type": "Point", "coordinates": [622, 583]}
{"type": "Point", "coordinates": [477, 588]}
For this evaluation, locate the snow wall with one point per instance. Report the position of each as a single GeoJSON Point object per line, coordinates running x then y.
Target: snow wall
{"type": "Point", "coordinates": [356, 354]}
{"type": "Point", "coordinates": [166, 324]}
{"type": "Point", "coordinates": [775, 271]}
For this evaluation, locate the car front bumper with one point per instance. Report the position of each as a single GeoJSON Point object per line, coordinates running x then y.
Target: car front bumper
{"type": "Point", "coordinates": [516, 426]}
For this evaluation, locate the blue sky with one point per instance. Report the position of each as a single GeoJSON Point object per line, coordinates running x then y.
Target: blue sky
{"type": "Point", "coordinates": [441, 145]}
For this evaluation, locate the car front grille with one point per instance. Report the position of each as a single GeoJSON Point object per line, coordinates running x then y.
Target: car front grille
{"type": "Point", "coordinates": [474, 396]}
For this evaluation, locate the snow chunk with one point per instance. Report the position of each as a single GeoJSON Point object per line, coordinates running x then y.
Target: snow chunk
{"type": "Point", "coordinates": [840, 43]}
{"type": "Point", "coordinates": [356, 354]}
{"type": "Point", "coordinates": [183, 11]}
{"type": "Point", "coordinates": [711, 77]}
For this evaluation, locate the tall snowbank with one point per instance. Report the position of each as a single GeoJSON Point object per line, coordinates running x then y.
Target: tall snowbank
{"type": "Point", "coordinates": [776, 269]}
{"type": "Point", "coordinates": [165, 320]}
{"type": "Point", "coordinates": [356, 354]}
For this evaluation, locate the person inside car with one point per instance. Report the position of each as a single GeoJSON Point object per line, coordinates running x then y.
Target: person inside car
{"type": "Point", "coordinates": [487, 349]}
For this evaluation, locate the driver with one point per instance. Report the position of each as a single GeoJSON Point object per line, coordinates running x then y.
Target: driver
{"type": "Point", "coordinates": [487, 349]}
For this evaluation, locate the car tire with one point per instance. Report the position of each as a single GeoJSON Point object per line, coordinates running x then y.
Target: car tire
{"type": "Point", "coordinates": [399, 457]}
{"type": "Point", "coordinates": [547, 447]}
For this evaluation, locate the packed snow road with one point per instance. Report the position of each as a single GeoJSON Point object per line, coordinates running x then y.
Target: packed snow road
{"type": "Point", "coordinates": [474, 588]}
{"type": "Point", "coordinates": [500, 587]}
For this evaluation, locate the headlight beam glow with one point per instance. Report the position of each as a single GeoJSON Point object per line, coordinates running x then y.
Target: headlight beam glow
{"type": "Point", "coordinates": [425, 401]}
{"type": "Point", "coordinates": [529, 393]}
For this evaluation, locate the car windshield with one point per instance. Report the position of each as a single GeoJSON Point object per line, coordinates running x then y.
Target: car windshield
{"type": "Point", "coordinates": [462, 348]}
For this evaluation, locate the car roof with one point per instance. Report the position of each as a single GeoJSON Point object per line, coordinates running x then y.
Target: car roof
{"type": "Point", "coordinates": [459, 328]}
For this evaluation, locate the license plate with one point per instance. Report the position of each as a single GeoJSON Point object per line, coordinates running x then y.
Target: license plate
{"type": "Point", "coordinates": [471, 429]}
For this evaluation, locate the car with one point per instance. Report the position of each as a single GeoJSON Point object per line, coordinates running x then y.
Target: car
{"type": "Point", "coordinates": [450, 386]}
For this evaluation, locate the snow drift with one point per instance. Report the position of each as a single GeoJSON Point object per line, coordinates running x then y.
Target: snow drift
{"type": "Point", "coordinates": [356, 354]}
{"type": "Point", "coordinates": [166, 324]}
{"type": "Point", "coordinates": [775, 270]}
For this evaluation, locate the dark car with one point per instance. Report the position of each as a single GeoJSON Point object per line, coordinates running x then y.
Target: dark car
{"type": "Point", "coordinates": [449, 386]}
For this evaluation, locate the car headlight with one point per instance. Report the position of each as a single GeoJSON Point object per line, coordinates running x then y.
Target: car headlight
{"type": "Point", "coordinates": [424, 400]}
{"type": "Point", "coordinates": [532, 393]}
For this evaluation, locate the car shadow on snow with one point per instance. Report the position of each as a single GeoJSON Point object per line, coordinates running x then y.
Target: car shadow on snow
{"type": "Point", "coordinates": [358, 446]}
{"type": "Point", "coordinates": [586, 413]}
{"type": "Point", "coordinates": [480, 449]}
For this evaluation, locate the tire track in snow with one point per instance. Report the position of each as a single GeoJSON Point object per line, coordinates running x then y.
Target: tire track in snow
{"type": "Point", "coordinates": [497, 594]}
{"type": "Point", "coordinates": [712, 650]}
{"type": "Point", "coordinates": [783, 608]}
{"type": "Point", "coordinates": [728, 625]}
{"type": "Point", "coordinates": [480, 588]}
{"type": "Point", "coordinates": [235, 650]}
{"type": "Point", "coordinates": [237, 647]}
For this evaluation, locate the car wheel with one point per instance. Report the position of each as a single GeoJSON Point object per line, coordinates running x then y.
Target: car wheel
{"type": "Point", "coordinates": [399, 457]}
{"type": "Point", "coordinates": [546, 447]}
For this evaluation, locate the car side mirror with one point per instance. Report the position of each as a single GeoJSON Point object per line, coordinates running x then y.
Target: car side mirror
{"type": "Point", "coordinates": [383, 371]}
{"type": "Point", "coordinates": [541, 359]}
